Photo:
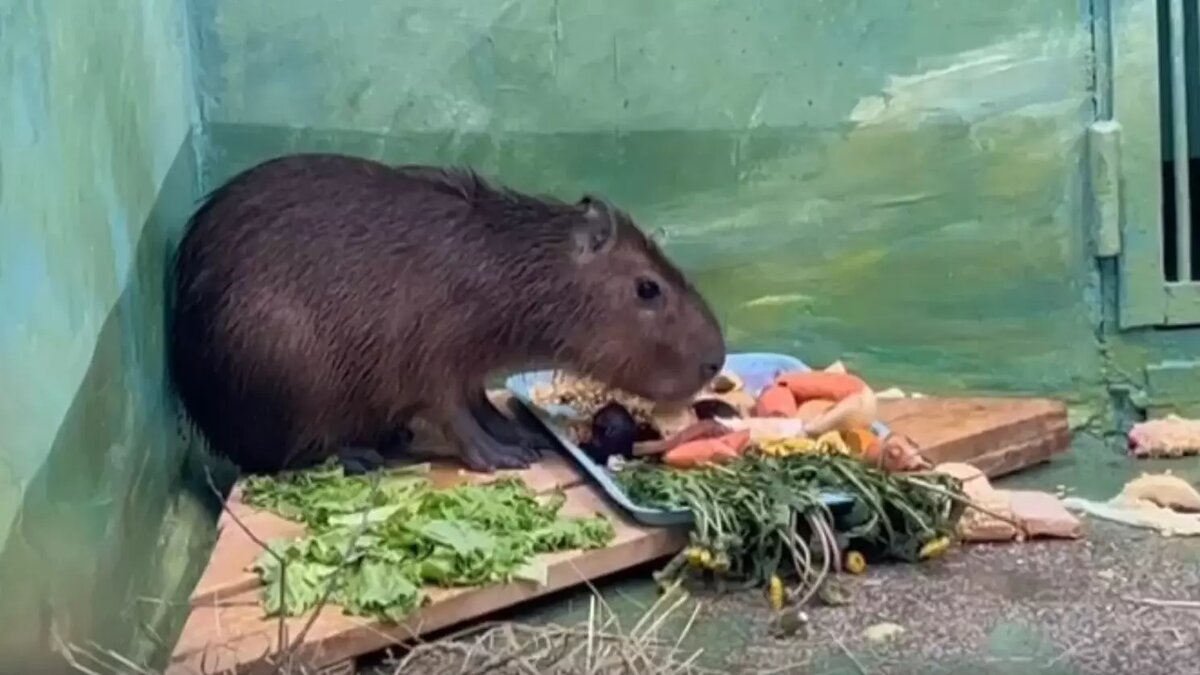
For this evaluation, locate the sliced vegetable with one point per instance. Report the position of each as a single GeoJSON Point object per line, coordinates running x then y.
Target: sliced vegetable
{"type": "Point", "coordinates": [766, 429]}
{"type": "Point", "coordinates": [698, 431]}
{"type": "Point", "coordinates": [811, 384]}
{"type": "Point", "coordinates": [864, 443]}
{"type": "Point", "coordinates": [855, 562]}
{"type": "Point", "coordinates": [775, 401]}
{"type": "Point", "coordinates": [707, 451]}
{"type": "Point", "coordinates": [813, 408]}
{"type": "Point", "coordinates": [855, 411]}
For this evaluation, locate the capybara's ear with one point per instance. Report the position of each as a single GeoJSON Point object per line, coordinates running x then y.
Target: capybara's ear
{"type": "Point", "coordinates": [596, 232]}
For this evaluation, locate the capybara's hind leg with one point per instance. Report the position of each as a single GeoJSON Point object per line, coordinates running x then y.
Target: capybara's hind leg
{"type": "Point", "coordinates": [395, 443]}
{"type": "Point", "coordinates": [480, 451]}
{"type": "Point", "coordinates": [504, 429]}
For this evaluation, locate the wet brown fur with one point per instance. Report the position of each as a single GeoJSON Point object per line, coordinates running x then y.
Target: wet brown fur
{"type": "Point", "coordinates": [324, 300]}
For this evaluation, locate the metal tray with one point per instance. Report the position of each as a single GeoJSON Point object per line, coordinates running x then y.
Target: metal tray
{"type": "Point", "coordinates": [756, 370]}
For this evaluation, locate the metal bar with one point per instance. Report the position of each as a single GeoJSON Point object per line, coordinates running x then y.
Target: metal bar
{"type": "Point", "coordinates": [1102, 50]}
{"type": "Point", "coordinates": [1179, 138]}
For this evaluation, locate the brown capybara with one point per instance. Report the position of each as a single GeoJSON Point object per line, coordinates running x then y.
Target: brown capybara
{"type": "Point", "coordinates": [322, 302]}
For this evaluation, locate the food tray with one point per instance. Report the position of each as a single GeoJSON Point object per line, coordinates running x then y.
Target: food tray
{"type": "Point", "coordinates": [756, 370]}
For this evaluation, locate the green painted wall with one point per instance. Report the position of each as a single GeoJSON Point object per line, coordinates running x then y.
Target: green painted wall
{"type": "Point", "coordinates": [898, 184]}
{"type": "Point", "coordinates": [97, 173]}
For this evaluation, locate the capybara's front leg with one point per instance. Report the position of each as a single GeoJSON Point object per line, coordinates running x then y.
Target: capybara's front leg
{"type": "Point", "coordinates": [479, 450]}
{"type": "Point", "coordinates": [502, 428]}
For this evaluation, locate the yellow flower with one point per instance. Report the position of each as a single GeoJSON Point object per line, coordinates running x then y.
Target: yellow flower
{"type": "Point", "coordinates": [934, 548]}
{"type": "Point", "coordinates": [783, 447]}
{"type": "Point", "coordinates": [855, 562]}
{"type": "Point", "coordinates": [832, 442]}
{"type": "Point", "coordinates": [775, 592]}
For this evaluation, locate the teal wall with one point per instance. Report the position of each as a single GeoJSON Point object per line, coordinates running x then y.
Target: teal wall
{"type": "Point", "coordinates": [97, 173]}
{"type": "Point", "coordinates": [897, 184]}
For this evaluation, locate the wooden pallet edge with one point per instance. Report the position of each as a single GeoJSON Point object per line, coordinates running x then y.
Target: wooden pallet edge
{"type": "Point", "coordinates": [1015, 431]}
{"type": "Point", "coordinates": [901, 411]}
{"type": "Point", "coordinates": [250, 652]}
{"type": "Point", "coordinates": [1020, 456]}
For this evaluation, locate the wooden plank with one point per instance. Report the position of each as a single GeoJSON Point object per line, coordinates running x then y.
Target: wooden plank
{"type": "Point", "coordinates": [228, 570]}
{"type": "Point", "coordinates": [997, 435]}
{"type": "Point", "coordinates": [231, 635]}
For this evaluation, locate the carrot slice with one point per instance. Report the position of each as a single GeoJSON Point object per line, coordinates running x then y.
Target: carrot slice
{"type": "Point", "coordinates": [864, 443]}
{"type": "Point", "coordinates": [707, 451]}
{"type": "Point", "coordinates": [814, 384]}
{"type": "Point", "coordinates": [775, 401]}
{"type": "Point", "coordinates": [736, 441]}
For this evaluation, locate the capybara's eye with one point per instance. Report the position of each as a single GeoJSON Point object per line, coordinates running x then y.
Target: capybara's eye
{"type": "Point", "coordinates": [647, 289]}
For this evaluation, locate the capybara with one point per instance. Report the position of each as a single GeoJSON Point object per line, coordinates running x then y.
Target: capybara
{"type": "Point", "coordinates": [322, 302]}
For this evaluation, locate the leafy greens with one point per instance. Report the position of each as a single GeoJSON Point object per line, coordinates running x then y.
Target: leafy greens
{"type": "Point", "coordinates": [379, 539]}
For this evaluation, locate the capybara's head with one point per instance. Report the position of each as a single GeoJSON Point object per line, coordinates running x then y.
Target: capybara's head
{"type": "Point", "coordinates": [644, 328]}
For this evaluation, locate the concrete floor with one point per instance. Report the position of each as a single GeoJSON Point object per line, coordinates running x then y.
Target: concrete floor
{"type": "Point", "coordinates": [1053, 608]}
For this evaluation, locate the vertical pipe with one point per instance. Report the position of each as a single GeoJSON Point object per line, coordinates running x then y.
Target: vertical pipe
{"type": "Point", "coordinates": [1102, 51]}
{"type": "Point", "coordinates": [1179, 137]}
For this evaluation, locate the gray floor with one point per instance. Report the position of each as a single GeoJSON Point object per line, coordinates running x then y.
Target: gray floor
{"type": "Point", "coordinates": [1042, 607]}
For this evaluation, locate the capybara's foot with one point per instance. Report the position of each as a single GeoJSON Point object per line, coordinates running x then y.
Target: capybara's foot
{"type": "Point", "coordinates": [480, 450]}
{"type": "Point", "coordinates": [356, 461]}
{"type": "Point", "coordinates": [506, 430]}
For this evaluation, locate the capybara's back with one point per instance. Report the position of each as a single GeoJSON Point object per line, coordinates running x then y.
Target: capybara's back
{"type": "Point", "coordinates": [322, 301]}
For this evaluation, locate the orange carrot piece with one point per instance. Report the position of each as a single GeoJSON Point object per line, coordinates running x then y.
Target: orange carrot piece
{"type": "Point", "coordinates": [864, 443]}
{"type": "Point", "coordinates": [737, 441]}
{"type": "Point", "coordinates": [811, 384]}
{"type": "Point", "coordinates": [775, 401]}
{"type": "Point", "coordinates": [707, 451]}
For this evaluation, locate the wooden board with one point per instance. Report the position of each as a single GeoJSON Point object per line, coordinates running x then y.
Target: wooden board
{"type": "Point", "coordinates": [996, 435]}
{"type": "Point", "coordinates": [226, 631]}
{"type": "Point", "coordinates": [232, 633]}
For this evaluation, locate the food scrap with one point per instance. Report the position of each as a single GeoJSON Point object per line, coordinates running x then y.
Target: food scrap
{"type": "Point", "coordinates": [799, 411]}
{"type": "Point", "coordinates": [707, 450]}
{"type": "Point", "coordinates": [1152, 501]}
{"type": "Point", "coordinates": [1171, 436]}
{"type": "Point", "coordinates": [1008, 515]}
